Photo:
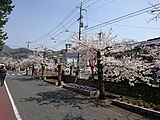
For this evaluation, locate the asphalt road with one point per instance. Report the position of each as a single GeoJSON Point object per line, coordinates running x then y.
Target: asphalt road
{"type": "Point", "coordinates": [38, 100]}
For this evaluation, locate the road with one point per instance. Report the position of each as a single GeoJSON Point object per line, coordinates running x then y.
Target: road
{"type": "Point", "coordinates": [38, 100]}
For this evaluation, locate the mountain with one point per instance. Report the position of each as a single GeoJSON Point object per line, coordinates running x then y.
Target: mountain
{"type": "Point", "coordinates": [15, 53]}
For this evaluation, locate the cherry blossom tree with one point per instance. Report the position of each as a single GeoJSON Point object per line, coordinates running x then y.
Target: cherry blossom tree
{"type": "Point", "coordinates": [97, 48]}
{"type": "Point", "coordinates": [114, 62]}
{"type": "Point", "coordinates": [141, 65]}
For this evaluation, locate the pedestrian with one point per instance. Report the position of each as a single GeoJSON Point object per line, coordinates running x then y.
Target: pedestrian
{"type": "Point", "coordinates": [3, 72]}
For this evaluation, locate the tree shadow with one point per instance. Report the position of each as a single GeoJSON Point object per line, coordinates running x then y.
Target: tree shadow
{"type": "Point", "coordinates": [44, 84]}
{"type": "Point", "coordinates": [62, 98]}
{"type": "Point", "coordinates": [26, 78]}
{"type": "Point", "coordinates": [70, 117]}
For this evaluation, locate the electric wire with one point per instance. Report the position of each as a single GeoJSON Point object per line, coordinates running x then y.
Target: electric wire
{"type": "Point", "coordinates": [116, 20]}
{"type": "Point", "coordinates": [102, 5]}
{"type": "Point", "coordinates": [50, 35]}
{"type": "Point", "coordinates": [65, 24]}
{"type": "Point", "coordinates": [138, 27]}
{"type": "Point", "coordinates": [120, 18]}
{"type": "Point", "coordinates": [122, 25]}
{"type": "Point", "coordinates": [61, 23]}
{"type": "Point", "coordinates": [49, 32]}
{"type": "Point", "coordinates": [74, 10]}
{"type": "Point", "coordinates": [66, 29]}
{"type": "Point", "coordinates": [46, 40]}
{"type": "Point", "coordinates": [92, 3]}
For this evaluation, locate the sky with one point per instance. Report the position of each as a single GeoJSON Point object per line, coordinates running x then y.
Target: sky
{"type": "Point", "coordinates": [51, 23]}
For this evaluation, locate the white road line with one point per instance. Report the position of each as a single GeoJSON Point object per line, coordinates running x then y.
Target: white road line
{"type": "Point", "coordinates": [12, 102]}
{"type": "Point", "coordinates": [18, 74]}
{"type": "Point", "coordinates": [12, 74]}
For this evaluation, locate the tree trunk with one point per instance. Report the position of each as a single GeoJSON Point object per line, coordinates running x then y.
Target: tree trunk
{"type": "Point", "coordinates": [42, 71]}
{"type": "Point", "coordinates": [92, 72]}
{"type": "Point", "coordinates": [100, 77]}
{"type": "Point", "coordinates": [59, 74]}
{"type": "Point", "coordinates": [33, 69]}
{"type": "Point", "coordinates": [77, 71]}
{"type": "Point", "coordinates": [71, 69]}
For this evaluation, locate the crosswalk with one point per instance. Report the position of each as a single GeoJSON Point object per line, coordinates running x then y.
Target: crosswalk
{"type": "Point", "coordinates": [15, 74]}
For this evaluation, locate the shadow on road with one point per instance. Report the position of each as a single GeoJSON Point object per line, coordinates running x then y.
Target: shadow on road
{"type": "Point", "coordinates": [62, 98]}
{"type": "Point", "coordinates": [70, 117]}
{"type": "Point", "coordinates": [26, 78]}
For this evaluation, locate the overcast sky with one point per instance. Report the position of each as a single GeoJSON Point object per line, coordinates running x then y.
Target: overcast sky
{"type": "Point", "coordinates": [35, 21]}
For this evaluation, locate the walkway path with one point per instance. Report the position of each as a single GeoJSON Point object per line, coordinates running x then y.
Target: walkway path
{"type": "Point", "coordinates": [6, 110]}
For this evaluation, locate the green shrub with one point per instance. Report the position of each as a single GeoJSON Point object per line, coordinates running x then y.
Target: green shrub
{"type": "Point", "coordinates": [120, 99]}
{"type": "Point", "coordinates": [134, 102]}
{"type": "Point", "coordinates": [146, 105]}
{"type": "Point", "coordinates": [156, 108]}
{"type": "Point", "coordinates": [140, 103]}
{"type": "Point", "coordinates": [152, 105]}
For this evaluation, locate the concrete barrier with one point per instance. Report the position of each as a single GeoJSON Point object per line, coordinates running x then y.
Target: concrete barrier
{"type": "Point", "coordinates": [139, 110]}
{"type": "Point", "coordinates": [91, 94]}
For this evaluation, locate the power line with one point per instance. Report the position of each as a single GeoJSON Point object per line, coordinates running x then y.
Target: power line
{"type": "Point", "coordinates": [84, 2]}
{"type": "Point", "coordinates": [92, 3]}
{"type": "Point", "coordinates": [131, 26]}
{"type": "Point", "coordinates": [139, 27]}
{"type": "Point", "coordinates": [58, 34]}
{"type": "Point", "coordinates": [60, 43]}
{"type": "Point", "coordinates": [49, 32]}
{"type": "Point", "coordinates": [66, 29]}
{"type": "Point", "coordinates": [102, 5]}
{"type": "Point", "coordinates": [120, 18]}
{"type": "Point", "coordinates": [57, 25]}
{"type": "Point", "coordinates": [69, 37]}
{"type": "Point", "coordinates": [65, 24]}
{"type": "Point", "coordinates": [60, 31]}
{"type": "Point", "coordinates": [61, 23]}
{"type": "Point", "coordinates": [49, 35]}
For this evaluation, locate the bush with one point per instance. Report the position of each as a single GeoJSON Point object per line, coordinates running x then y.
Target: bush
{"type": "Point", "coordinates": [140, 103]}
{"type": "Point", "coordinates": [157, 108]}
{"type": "Point", "coordinates": [134, 102]}
{"type": "Point", "coordinates": [152, 105]}
{"type": "Point", "coordinates": [146, 105]}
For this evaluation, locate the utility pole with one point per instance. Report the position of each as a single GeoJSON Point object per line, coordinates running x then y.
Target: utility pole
{"type": "Point", "coordinates": [28, 46]}
{"type": "Point", "coordinates": [79, 37]}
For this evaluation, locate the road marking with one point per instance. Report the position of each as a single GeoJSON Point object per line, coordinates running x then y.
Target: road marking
{"type": "Point", "coordinates": [12, 74]}
{"type": "Point", "coordinates": [18, 74]}
{"type": "Point", "coordinates": [13, 104]}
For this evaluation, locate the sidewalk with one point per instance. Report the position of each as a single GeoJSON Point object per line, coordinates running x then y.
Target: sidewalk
{"type": "Point", "coordinates": [6, 110]}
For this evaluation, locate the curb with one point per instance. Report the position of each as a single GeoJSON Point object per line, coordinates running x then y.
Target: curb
{"type": "Point", "coordinates": [139, 110]}
{"type": "Point", "coordinates": [52, 82]}
{"type": "Point", "coordinates": [91, 94]}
